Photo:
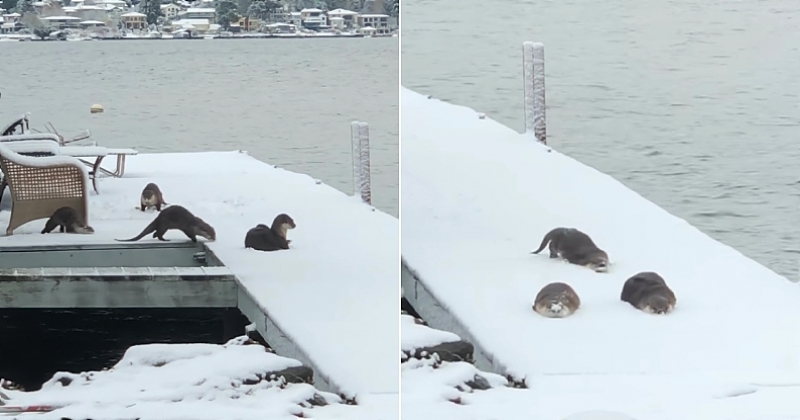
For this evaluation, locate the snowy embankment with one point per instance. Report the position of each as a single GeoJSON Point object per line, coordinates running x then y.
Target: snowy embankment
{"type": "Point", "coordinates": [478, 198]}
{"type": "Point", "coordinates": [187, 381]}
{"type": "Point", "coordinates": [328, 293]}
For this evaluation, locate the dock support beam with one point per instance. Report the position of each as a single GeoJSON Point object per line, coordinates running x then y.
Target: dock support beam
{"type": "Point", "coordinates": [533, 76]}
{"type": "Point", "coordinates": [359, 135]}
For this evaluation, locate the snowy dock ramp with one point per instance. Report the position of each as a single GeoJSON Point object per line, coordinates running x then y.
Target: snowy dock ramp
{"type": "Point", "coordinates": [478, 198]}
{"type": "Point", "coordinates": [325, 296]}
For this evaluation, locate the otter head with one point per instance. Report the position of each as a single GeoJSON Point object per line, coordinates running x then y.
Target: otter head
{"type": "Point", "coordinates": [282, 224]}
{"type": "Point", "coordinates": [598, 262]}
{"type": "Point", "coordinates": [658, 305]}
{"type": "Point", "coordinates": [205, 230]}
{"type": "Point", "coordinates": [553, 309]}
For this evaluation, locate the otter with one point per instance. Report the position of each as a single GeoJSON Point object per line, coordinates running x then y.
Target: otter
{"type": "Point", "coordinates": [67, 219]}
{"type": "Point", "coordinates": [176, 217]}
{"type": "Point", "coordinates": [648, 292]}
{"type": "Point", "coordinates": [576, 247]}
{"type": "Point", "coordinates": [264, 238]}
{"type": "Point", "coordinates": [556, 300]}
{"type": "Point", "coordinates": [151, 197]}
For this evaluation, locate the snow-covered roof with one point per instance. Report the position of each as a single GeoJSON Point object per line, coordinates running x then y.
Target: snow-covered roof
{"type": "Point", "coordinates": [115, 2]}
{"type": "Point", "coordinates": [90, 7]}
{"type": "Point", "coordinates": [342, 12]}
{"type": "Point", "coordinates": [92, 22]}
{"type": "Point", "coordinates": [192, 22]}
{"type": "Point", "coordinates": [61, 18]}
{"type": "Point", "coordinates": [164, 6]}
{"type": "Point", "coordinates": [468, 229]}
{"type": "Point", "coordinates": [12, 15]}
{"type": "Point", "coordinates": [133, 14]}
{"type": "Point", "coordinates": [312, 10]}
{"type": "Point", "coordinates": [377, 16]}
{"type": "Point", "coordinates": [200, 10]}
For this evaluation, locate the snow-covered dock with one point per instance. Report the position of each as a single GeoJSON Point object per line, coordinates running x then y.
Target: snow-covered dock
{"type": "Point", "coordinates": [323, 302]}
{"type": "Point", "coordinates": [478, 197]}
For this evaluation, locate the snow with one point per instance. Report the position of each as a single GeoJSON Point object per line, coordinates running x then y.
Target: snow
{"type": "Point", "coordinates": [62, 18]}
{"type": "Point", "coordinates": [82, 151]}
{"type": "Point", "coordinates": [32, 146]}
{"type": "Point", "coordinates": [415, 336]}
{"type": "Point", "coordinates": [478, 198]}
{"type": "Point", "coordinates": [329, 294]}
{"type": "Point", "coordinates": [186, 381]}
{"type": "Point", "coordinates": [133, 14]}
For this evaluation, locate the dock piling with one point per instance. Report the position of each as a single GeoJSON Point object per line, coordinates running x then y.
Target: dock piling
{"type": "Point", "coordinates": [533, 77]}
{"type": "Point", "coordinates": [359, 136]}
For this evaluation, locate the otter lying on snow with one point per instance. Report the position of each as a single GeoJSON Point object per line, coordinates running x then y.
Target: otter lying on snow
{"type": "Point", "coordinates": [264, 238]}
{"type": "Point", "coordinates": [648, 292]}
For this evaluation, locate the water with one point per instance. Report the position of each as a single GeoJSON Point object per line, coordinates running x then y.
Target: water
{"type": "Point", "coordinates": [38, 343]}
{"type": "Point", "coordinates": [288, 102]}
{"type": "Point", "coordinates": [692, 104]}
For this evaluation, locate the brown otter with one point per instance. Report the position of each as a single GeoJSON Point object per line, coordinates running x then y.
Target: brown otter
{"type": "Point", "coordinates": [556, 300]}
{"type": "Point", "coordinates": [648, 292]}
{"type": "Point", "coordinates": [264, 238]}
{"type": "Point", "coordinates": [176, 217]}
{"type": "Point", "coordinates": [67, 219]}
{"type": "Point", "coordinates": [151, 197]}
{"type": "Point", "coordinates": [575, 247]}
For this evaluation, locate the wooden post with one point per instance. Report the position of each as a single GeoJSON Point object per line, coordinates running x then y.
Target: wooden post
{"type": "Point", "coordinates": [533, 76]}
{"type": "Point", "coordinates": [362, 185]}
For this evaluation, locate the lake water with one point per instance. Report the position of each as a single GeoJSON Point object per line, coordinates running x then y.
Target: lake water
{"type": "Point", "coordinates": [288, 102]}
{"type": "Point", "coordinates": [694, 105]}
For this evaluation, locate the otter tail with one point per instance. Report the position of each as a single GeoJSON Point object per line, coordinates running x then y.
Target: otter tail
{"type": "Point", "coordinates": [148, 230]}
{"type": "Point", "coordinates": [547, 238]}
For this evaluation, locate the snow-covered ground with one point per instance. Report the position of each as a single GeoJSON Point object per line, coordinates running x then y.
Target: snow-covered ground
{"type": "Point", "coordinates": [334, 294]}
{"type": "Point", "coordinates": [187, 381]}
{"type": "Point", "coordinates": [478, 197]}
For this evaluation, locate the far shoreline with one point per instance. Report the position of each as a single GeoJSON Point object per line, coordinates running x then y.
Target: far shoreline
{"type": "Point", "coordinates": [32, 38]}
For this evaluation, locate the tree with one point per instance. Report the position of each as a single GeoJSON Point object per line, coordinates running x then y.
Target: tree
{"type": "Point", "coordinates": [338, 4]}
{"type": "Point", "coordinates": [25, 6]}
{"type": "Point", "coordinates": [392, 8]}
{"type": "Point", "coordinates": [39, 28]}
{"type": "Point", "coordinates": [8, 4]}
{"type": "Point", "coordinates": [227, 13]}
{"type": "Point", "coordinates": [152, 9]}
{"type": "Point", "coordinates": [261, 9]}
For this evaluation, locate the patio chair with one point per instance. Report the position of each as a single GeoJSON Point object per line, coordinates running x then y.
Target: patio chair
{"type": "Point", "coordinates": [41, 185]}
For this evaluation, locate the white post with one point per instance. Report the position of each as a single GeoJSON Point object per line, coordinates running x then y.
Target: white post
{"type": "Point", "coordinates": [533, 64]}
{"type": "Point", "coordinates": [366, 174]}
{"type": "Point", "coordinates": [356, 145]}
{"type": "Point", "coordinates": [359, 135]}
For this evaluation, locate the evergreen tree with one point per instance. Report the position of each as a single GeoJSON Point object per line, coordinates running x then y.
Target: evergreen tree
{"type": "Point", "coordinates": [152, 9]}
{"type": "Point", "coordinates": [25, 6]}
{"type": "Point", "coordinates": [227, 13]}
{"type": "Point", "coordinates": [8, 5]}
{"type": "Point", "coordinates": [261, 9]}
{"type": "Point", "coordinates": [392, 8]}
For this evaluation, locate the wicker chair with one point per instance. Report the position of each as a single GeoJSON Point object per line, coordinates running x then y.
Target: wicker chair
{"type": "Point", "coordinates": [41, 185]}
